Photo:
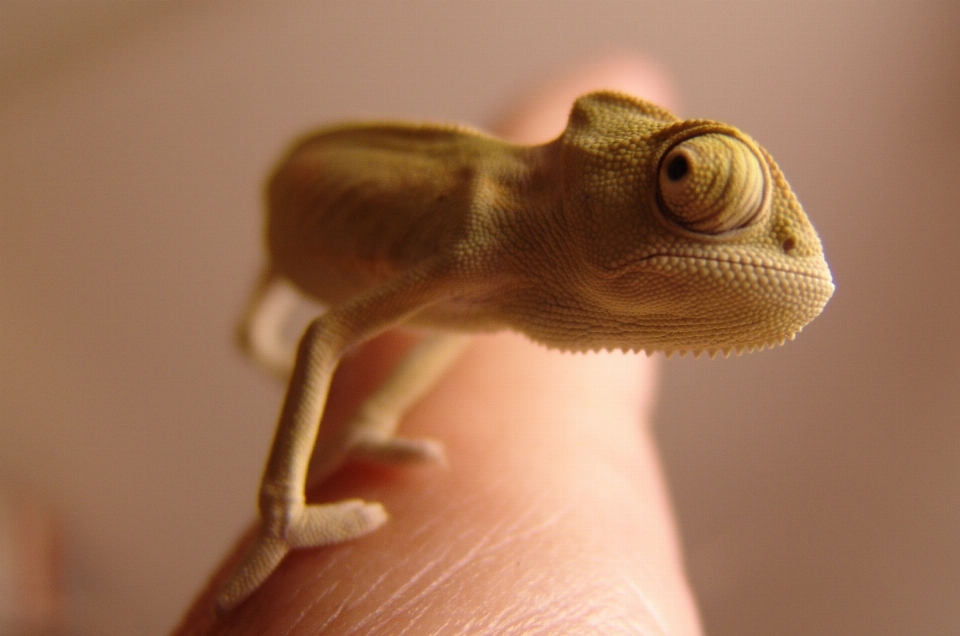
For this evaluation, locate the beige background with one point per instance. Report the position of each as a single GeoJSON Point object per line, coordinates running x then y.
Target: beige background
{"type": "Point", "coordinates": [818, 486]}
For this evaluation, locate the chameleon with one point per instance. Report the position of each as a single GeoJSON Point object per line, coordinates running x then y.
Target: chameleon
{"type": "Point", "coordinates": [634, 230]}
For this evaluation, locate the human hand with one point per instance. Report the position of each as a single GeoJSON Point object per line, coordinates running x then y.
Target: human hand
{"type": "Point", "coordinates": [552, 517]}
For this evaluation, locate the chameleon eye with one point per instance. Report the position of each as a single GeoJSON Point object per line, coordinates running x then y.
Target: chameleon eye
{"type": "Point", "coordinates": [711, 184]}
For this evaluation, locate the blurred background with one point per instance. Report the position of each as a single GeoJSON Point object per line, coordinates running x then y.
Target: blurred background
{"type": "Point", "coordinates": [817, 485]}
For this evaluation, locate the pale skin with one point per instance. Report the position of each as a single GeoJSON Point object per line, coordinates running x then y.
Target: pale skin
{"type": "Point", "coordinates": [528, 465]}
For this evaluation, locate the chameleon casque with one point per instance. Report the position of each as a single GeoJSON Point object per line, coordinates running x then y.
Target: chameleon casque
{"type": "Point", "coordinates": [633, 230]}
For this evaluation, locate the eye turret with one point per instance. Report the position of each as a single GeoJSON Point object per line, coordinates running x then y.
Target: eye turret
{"type": "Point", "coordinates": [712, 183]}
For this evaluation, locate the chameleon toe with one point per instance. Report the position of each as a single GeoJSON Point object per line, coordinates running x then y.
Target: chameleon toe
{"type": "Point", "coordinates": [400, 450]}
{"type": "Point", "coordinates": [260, 561]}
{"type": "Point", "coordinates": [326, 524]}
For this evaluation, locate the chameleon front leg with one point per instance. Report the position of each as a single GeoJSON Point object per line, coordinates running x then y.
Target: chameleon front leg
{"type": "Point", "coordinates": [287, 522]}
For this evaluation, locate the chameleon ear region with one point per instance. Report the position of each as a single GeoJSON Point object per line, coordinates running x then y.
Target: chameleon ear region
{"type": "Point", "coordinates": [711, 184]}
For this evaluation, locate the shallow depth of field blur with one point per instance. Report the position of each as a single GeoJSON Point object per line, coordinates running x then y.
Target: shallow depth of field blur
{"type": "Point", "coordinates": [817, 485]}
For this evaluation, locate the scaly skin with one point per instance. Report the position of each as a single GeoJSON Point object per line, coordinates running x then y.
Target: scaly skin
{"type": "Point", "coordinates": [634, 230]}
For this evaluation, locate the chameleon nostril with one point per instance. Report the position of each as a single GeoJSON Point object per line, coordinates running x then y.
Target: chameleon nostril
{"type": "Point", "coordinates": [789, 244]}
{"type": "Point", "coordinates": [677, 168]}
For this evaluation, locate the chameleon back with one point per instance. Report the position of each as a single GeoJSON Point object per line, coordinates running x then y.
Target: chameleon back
{"type": "Point", "coordinates": [353, 206]}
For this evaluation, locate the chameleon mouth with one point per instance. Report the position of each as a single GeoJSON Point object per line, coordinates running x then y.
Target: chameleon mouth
{"type": "Point", "coordinates": [699, 303]}
{"type": "Point", "coordinates": [757, 301]}
{"type": "Point", "coordinates": [735, 267]}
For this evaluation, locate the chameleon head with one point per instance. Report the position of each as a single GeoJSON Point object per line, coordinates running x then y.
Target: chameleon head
{"type": "Point", "coordinates": [687, 236]}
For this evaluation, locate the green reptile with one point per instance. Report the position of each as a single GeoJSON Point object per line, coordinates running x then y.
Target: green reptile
{"type": "Point", "coordinates": [633, 230]}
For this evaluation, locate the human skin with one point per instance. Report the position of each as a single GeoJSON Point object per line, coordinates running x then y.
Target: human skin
{"type": "Point", "coordinates": [552, 515]}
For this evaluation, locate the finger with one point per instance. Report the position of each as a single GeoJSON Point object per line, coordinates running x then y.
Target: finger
{"type": "Point", "coordinates": [541, 115]}
{"type": "Point", "coordinates": [31, 564]}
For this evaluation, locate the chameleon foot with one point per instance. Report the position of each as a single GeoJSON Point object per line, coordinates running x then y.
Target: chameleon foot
{"type": "Point", "coordinates": [315, 526]}
{"type": "Point", "coordinates": [398, 450]}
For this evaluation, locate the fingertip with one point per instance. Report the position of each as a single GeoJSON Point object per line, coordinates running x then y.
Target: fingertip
{"type": "Point", "coordinates": [541, 114]}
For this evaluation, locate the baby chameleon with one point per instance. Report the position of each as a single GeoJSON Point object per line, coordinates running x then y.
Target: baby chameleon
{"type": "Point", "coordinates": [633, 230]}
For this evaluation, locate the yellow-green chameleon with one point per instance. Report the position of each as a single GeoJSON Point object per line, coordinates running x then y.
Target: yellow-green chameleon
{"type": "Point", "coordinates": [633, 230]}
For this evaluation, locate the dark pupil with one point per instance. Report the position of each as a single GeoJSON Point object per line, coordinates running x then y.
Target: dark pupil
{"type": "Point", "coordinates": [677, 168]}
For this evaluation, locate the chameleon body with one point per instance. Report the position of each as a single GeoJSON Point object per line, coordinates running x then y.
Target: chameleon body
{"type": "Point", "coordinates": [633, 230]}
